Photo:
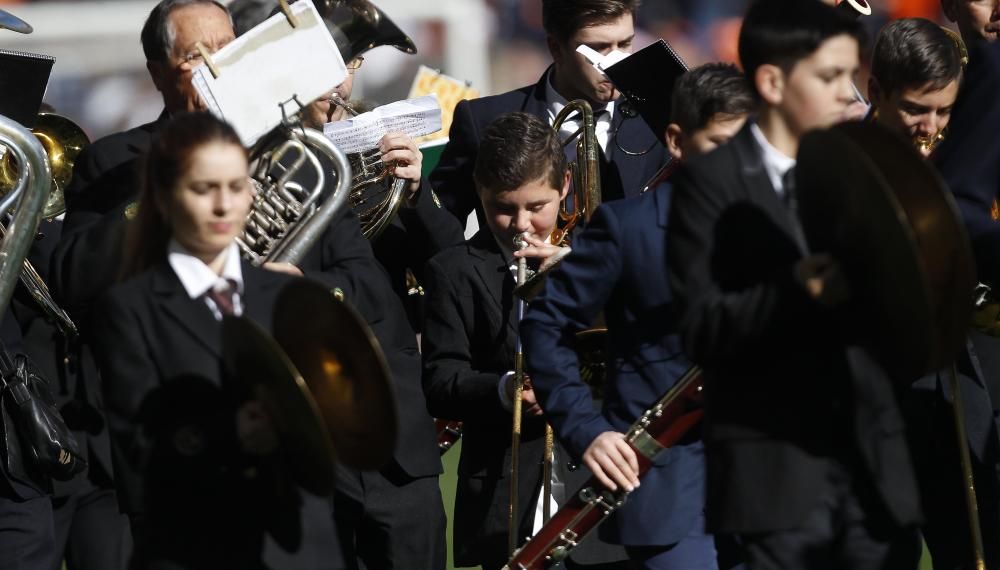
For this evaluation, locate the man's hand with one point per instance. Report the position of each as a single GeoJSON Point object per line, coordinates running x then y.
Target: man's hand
{"type": "Point", "coordinates": [400, 149]}
{"type": "Point", "coordinates": [823, 280]}
{"type": "Point", "coordinates": [537, 249]}
{"type": "Point", "coordinates": [612, 461]}
{"type": "Point", "coordinates": [282, 267]}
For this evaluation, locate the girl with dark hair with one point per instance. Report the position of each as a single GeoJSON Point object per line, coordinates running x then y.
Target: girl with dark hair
{"type": "Point", "coordinates": [193, 456]}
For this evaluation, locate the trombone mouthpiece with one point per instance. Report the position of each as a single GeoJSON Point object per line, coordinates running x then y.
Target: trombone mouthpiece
{"type": "Point", "coordinates": [520, 242]}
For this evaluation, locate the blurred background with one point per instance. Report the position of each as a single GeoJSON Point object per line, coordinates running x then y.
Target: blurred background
{"type": "Point", "coordinates": [100, 81]}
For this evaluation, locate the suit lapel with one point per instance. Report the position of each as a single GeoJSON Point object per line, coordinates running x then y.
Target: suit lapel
{"type": "Point", "coordinates": [492, 269]}
{"type": "Point", "coordinates": [260, 289]}
{"type": "Point", "coordinates": [757, 184]}
{"type": "Point", "coordinates": [535, 102]}
{"type": "Point", "coordinates": [191, 315]}
{"type": "Point", "coordinates": [144, 139]}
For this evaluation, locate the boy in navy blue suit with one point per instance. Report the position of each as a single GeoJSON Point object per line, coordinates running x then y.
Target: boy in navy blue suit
{"type": "Point", "coordinates": [619, 266]}
{"type": "Point", "coordinates": [469, 341]}
{"type": "Point", "coordinates": [805, 447]}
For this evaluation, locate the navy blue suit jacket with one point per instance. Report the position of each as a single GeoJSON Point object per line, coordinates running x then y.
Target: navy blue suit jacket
{"type": "Point", "coordinates": [969, 158]}
{"type": "Point", "coordinates": [621, 175]}
{"type": "Point", "coordinates": [619, 265]}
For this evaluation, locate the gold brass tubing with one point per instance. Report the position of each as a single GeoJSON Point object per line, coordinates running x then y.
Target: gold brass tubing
{"type": "Point", "coordinates": [968, 482]}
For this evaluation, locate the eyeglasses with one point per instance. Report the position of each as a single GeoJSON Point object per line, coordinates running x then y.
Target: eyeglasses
{"type": "Point", "coordinates": [193, 58]}
{"type": "Point", "coordinates": [355, 64]}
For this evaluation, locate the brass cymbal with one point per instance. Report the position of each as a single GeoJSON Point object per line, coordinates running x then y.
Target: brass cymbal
{"type": "Point", "coordinates": [11, 22]}
{"type": "Point", "coordinates": [256, 360]}
{"type": "Point", "coordinates": [867, 197]}
{"type": "Point", "coordinates": [344, 367]}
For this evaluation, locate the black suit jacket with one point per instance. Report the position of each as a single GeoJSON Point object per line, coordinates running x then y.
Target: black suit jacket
{"type": "Point", "coordinates": [171, 413]}
{"type": "Point", "coordinates": [786, 392]}
{"type": "Point", "coordinates": [469, 341]}
{"type": "Point", "coordinates": [622, 175]}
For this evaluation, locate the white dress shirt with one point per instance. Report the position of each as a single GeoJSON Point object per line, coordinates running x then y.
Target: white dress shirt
{"type": "Point", "coordinates": [776, 163]}
{"type": "Point", "coordinates": [602, 121]}
{"type": "Point", "coordinates": [197, 278]}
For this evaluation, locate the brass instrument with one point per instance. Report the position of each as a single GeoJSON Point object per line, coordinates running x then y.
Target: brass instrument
{"type": "Point", "coordinates": [515, 441]}
{"type": "Point", "coordinates": [358, 26]}
{"type": "Point", "coordinates": [62, 140]}
{"type": "Point", "coordinates": [287, 219]}
{"type": "Point", "coordinates": [33, 183]}
{"type": "Point", "coordinates": [376, 194]}
{"type": "Point", "coordinates": [585, 197]}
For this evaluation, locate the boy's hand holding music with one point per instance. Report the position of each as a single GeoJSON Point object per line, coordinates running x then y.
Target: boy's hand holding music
{"type": "Point", "coordinates": [400, 150]}
{"type": "Point", "coordinates": [613, 461]}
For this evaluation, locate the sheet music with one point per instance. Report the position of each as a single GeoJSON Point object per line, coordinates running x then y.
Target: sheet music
{"type": "Point", "coordinates": [269, 65]}
{"type": "Point", "coordinates": [414, 117]}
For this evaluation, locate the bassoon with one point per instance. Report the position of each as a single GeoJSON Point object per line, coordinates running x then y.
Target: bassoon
{"type": "Point", "coordinates": [674, 416]}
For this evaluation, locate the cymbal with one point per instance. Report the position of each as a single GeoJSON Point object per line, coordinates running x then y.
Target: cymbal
{"type": "Point", "coordinates": [12, 22]}
{"type": "Point", "coordinates": [345, 369]}
{"type": "Point", "coordinates": [868, 198]}
{"type": "Point", "coordinates": [534, 284]}
{"type": "Point", "coordinates": [255, 359]}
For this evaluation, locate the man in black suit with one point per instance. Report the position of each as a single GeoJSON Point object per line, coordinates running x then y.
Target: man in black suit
{"type": "Point", "coordinates": [805, 447]}
{"type": "Point", "coordinates": [603, 25]}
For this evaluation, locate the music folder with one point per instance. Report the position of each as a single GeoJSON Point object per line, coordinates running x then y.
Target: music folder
{"type": "Point", "coordinates": [646, 79]}
{"type": "Point", "coordinates": [23, 78]}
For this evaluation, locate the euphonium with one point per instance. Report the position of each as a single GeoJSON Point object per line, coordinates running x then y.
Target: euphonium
{"type": "Point", "coordinates": [579, 204]}
{"type": "Point", "coordinates": [286, 218]}
{"type": "Point", "coordinates": [62, 140]}
{"type": "Point", "coordinates": [30, 191]}
{"type": "Point", "coordinates": [376, 194]}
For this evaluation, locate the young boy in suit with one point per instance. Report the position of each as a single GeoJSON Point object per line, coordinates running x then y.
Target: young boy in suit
{"type": "Point", "coordinates": [470, 335]}
{"type": "Point", "coordinates": [619, 266]}
{"type": "Point", "coordinates": [806, 457]}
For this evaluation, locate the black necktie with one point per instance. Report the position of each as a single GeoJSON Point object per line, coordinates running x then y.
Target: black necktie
{"type": "Point", "coordinates": [788, 188]}
{"type": "Point", "coordinates": [223, 297]}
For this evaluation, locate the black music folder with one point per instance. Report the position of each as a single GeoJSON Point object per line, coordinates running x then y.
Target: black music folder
{"type": "Point", "coordinates": [23, 78]}
{"type": "Point", "coordinates": [646, 79]}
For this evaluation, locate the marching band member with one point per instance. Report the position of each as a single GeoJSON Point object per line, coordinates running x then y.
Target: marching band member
{"type": "Point", "coordinates": [470, 334]}
{"type": "Point", "coordinates": [603, 25]}
{"type": "Point", "coordinates": [618, 266]}
{"type": "Point", "coordinates": [804, 443]}
{"type": "Point", "coordinates": [916, 73]}
{"type": "Point", "coordinates": [977, 20]}
{"type": "Point", "coordinates": [191, 459]}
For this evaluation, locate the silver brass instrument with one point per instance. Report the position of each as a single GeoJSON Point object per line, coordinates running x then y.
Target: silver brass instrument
{"type": "Point", "coordinates": [62, 141]}
{"type": "Point", "coordinates": [358, 26]}
{"type": "Point", "coordinates": [376, 194]}
{"type": "Point", "coordinates": [287, 219]}
{"type": "Point", "coordinates": [31, 190]}
{"type": "Point", "coordinates": [515, 441]}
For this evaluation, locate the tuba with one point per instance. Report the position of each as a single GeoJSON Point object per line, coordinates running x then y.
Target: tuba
{"type": "Point", "coordinates": [358, 26]}
{"type": "Point", "coordinates": [286, 218]}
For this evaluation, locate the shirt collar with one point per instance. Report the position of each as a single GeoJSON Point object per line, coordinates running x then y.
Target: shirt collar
{"type": "Point", "coordinates": [557, 102]}
{"type": "Point", "coordinates": [776, 163]}
{"type": "Point", "coordinates": [196, 277]}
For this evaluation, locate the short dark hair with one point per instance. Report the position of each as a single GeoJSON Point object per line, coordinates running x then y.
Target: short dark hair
{"type": "Point", "coordinates": [783, 33]}
{"type": "Point", "coordinates": [913, 52]}
{"type": "Point", "coordinates": [562, 18]}
{"type": "Point", "coordinates": [519, 148]}
{"type": "Point", "coordinates": [157, 36]}
{"type": "Point", "coordinates": [709, 90]}
{"type": "Point", "coordinates": [163, 166]}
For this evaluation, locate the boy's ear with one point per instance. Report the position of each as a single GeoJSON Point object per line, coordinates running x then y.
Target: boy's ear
{"type": "Point", "coordinates": [674, 139]}
{"type": "Point", "coordinates": [770, 82]}
{"type": "Point", "coordinates": [565, 188]}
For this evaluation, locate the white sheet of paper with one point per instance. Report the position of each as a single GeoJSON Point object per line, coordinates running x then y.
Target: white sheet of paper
{"type": "Point", "coordinates": [414, 117]}
{"type": "Point", "coordinates": [269, 65]}
{"type": "Point", "coordinates": [601, 62]}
